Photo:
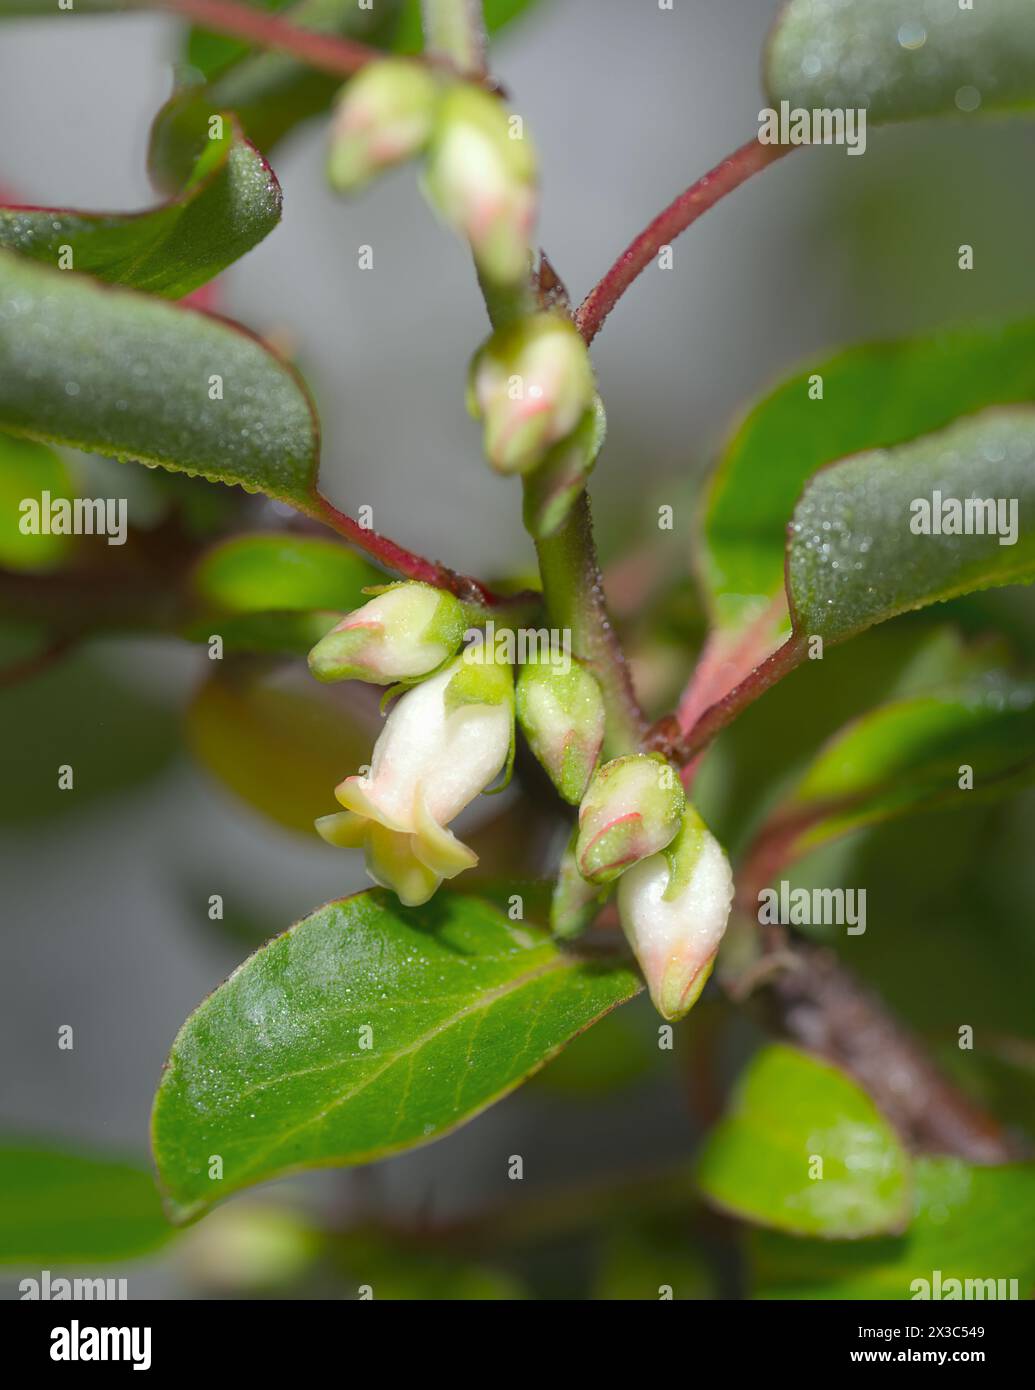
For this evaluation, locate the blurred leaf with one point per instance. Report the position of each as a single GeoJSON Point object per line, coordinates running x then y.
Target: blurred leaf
{"type": "Point", "coordinates": [28, 469]}
{"type": "Point", "coordinates": [270, 92]}
{"type": "Point", "coordinates": [649, 1260]}
{"type": "Point", "coordinates": [852, 557]}
{"type": "Point", "coordinates": [611, 1056]}
{"type": "Point", "coordinates": [279, 740]}
{"type": "Point", "coordinates": [57, 1205]}
{"type": "Point", "coordinates": [395, 1269]}
{"type": "Point", "coordinates": [907, 755]}
{"type": "Point", "coordinates": [873, 397]}
{"type": "Point", "coordinates": [127, 375]}
{"type": "Point", "coordinates": [903, 58]}
{"type": "Point", "coordinates": [755, 763]}
{"type": "Point", "coordinates": [231, 201]}
{"type": "Point", "coordinates": [789, 1111]}
{"type": "Point", "coordinates": [275, 1072]}
{"type": "Point", "coordinates": [79, 713]}
{"type": "Point", "coordinates": [265, 573]}
{"type": "Point", "coordinates": [968, 1223]}
{"type": "Point", "coordinates": [273, 92]}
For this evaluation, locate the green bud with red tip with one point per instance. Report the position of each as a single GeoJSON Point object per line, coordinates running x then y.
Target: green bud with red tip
{"type": "Point", "coordinates": [632, 809]}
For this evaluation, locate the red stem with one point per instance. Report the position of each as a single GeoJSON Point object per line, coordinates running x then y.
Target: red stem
{"type": "Point", "coordinates": [779, 664]}
{"type": "Point", "coordinates": [736, 169]}
{"type": "Point", "coordinates": [397, 558]}
{"type": "Point", "coordinates": [338, 56]}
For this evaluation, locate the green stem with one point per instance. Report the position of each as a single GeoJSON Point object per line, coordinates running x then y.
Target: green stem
{"type": "Point", "coordinates": [455, 30]}
{"type": "Point", "coordinates": [573, 587]}
{"type": "Point", "coordinates": [574, 593]}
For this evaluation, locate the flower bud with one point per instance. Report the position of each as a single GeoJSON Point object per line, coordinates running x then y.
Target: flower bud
{"type": "Point", "coordinates": [532, 383]}
{"type": "Point", "coordinates": [404, 633]}
{"type": "Point", "coordinates": [562, 714]}
{"type": "Point", "coordinates": [443, 743]}
{"type": "Point", "coordinates": [633, 808]}
{"type": "Point", "coordinates": [574, 902]}
{"type": "Point", "coordinates": [481, 178]}
{"type": "Point", "coordinates": [554, 487]}
{"type": "Point", "coordinates": [673, 908]}
{"type": "Point", "coordinates": [384, 115]}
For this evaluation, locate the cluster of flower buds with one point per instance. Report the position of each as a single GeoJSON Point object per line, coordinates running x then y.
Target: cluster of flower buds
{"type": "Point", "coordinates": [674, 881]}
{"type": "Point", "coordinates": [480, 172]}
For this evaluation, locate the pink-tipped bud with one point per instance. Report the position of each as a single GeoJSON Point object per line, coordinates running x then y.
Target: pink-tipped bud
{"type": "Point", "coordinates": [674, 907]}
{"type": "Point", "coordinates": [633, 808]}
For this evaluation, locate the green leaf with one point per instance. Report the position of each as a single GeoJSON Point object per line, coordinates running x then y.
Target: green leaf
{"type": "Point", "coordinates": [791, 1110]}
{"type": "Point", "coordinates": [129, 376]}
{"type": "Point", "coordinates": [968, 1223]}
{"type": "Point", "coordinates": [57, 1205]}
{"type": "Point", "coordinates": [873, 397]}
{"type": "Point", "coordinates": [263, 573]}
{"type": "Point", "coordinates": [903, 58]}
{"type": "Point", "coordinates": [27, 470]}
{"type": "Point", "coordinates": [231, 201]}
{"type": "Point", "coordinates": [272, 1071]}
{"type": "Point", "coordinates": [397, 1269]}
{"type": "Point", "coordinates": [280, 741]}
{"type": "Point", "coordinates": [906, 756]}
{"type": "Point", "coordinates": [853, 558]}
{"type": "Point", "coordinates": [650, 1258]}
{"type": "Point", "coordinates": [83, 714]}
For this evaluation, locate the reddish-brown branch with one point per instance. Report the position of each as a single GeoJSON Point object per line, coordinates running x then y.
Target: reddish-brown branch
{"type": "Point", "coordinates": [736, 169]}
{"type": "Point", "coordinates": [405, 562]}
{"type": "Point", "coordinates": [338, 56]}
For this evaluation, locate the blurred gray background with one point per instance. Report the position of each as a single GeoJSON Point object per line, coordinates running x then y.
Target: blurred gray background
{"type": "Point", "coordinates": [627, 104]}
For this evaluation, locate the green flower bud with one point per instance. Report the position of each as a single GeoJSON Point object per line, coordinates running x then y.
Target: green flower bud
{"type": "Point", "coordinates": [481, 178]}
{"type": "Point", "coordinates": [384, 115]}
{"type": "Point", "coordinates": [557, 483]}
{"type": "Point", "coordinates": [404, 633]}
{"type": "Point", "coordinates": [575, 902]}
{"type": "Point", "coordinates": [633, 808]}
{"type": "Point", "coordinates": [532, 383]}
{"type": "Point", "coordinates": [562, 714]}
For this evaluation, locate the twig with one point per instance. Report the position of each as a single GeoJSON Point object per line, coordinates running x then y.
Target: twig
{"type": "Point", "coordinates": [736, 169]}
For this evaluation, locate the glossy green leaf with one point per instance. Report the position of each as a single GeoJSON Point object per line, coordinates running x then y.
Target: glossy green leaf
{"type": "Point", "coordinates": [790, 1114]}
{"type": "Point", "coordinates": [907, 755]}
{"type": "Point", "coordinates": [968, 1223]}
{"type": "Point", "coordinates": [58, 1205]}
{"type": "Point", "coordinates": [260, 573]}
{"type": "Point", "coordinates": [231, 201]}
{"type": "Point", "coordinates": [274, 1071]}
{"type": "Point", "coordinates": [873, 397]}
{"type": "Point", "coordinates": [853, 556]}
{"type": "Point", "coordinates": [904, 58]}
{"type": "Point", "coordinates": [129, 376]}
{"type": "Point", "coordinates": [280, 741]}
{"type": "Point", "coordinates": [28, 470]}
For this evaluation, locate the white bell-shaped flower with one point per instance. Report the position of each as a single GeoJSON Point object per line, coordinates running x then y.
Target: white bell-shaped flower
{"type": "Point", "coordinates": [443, 743]}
